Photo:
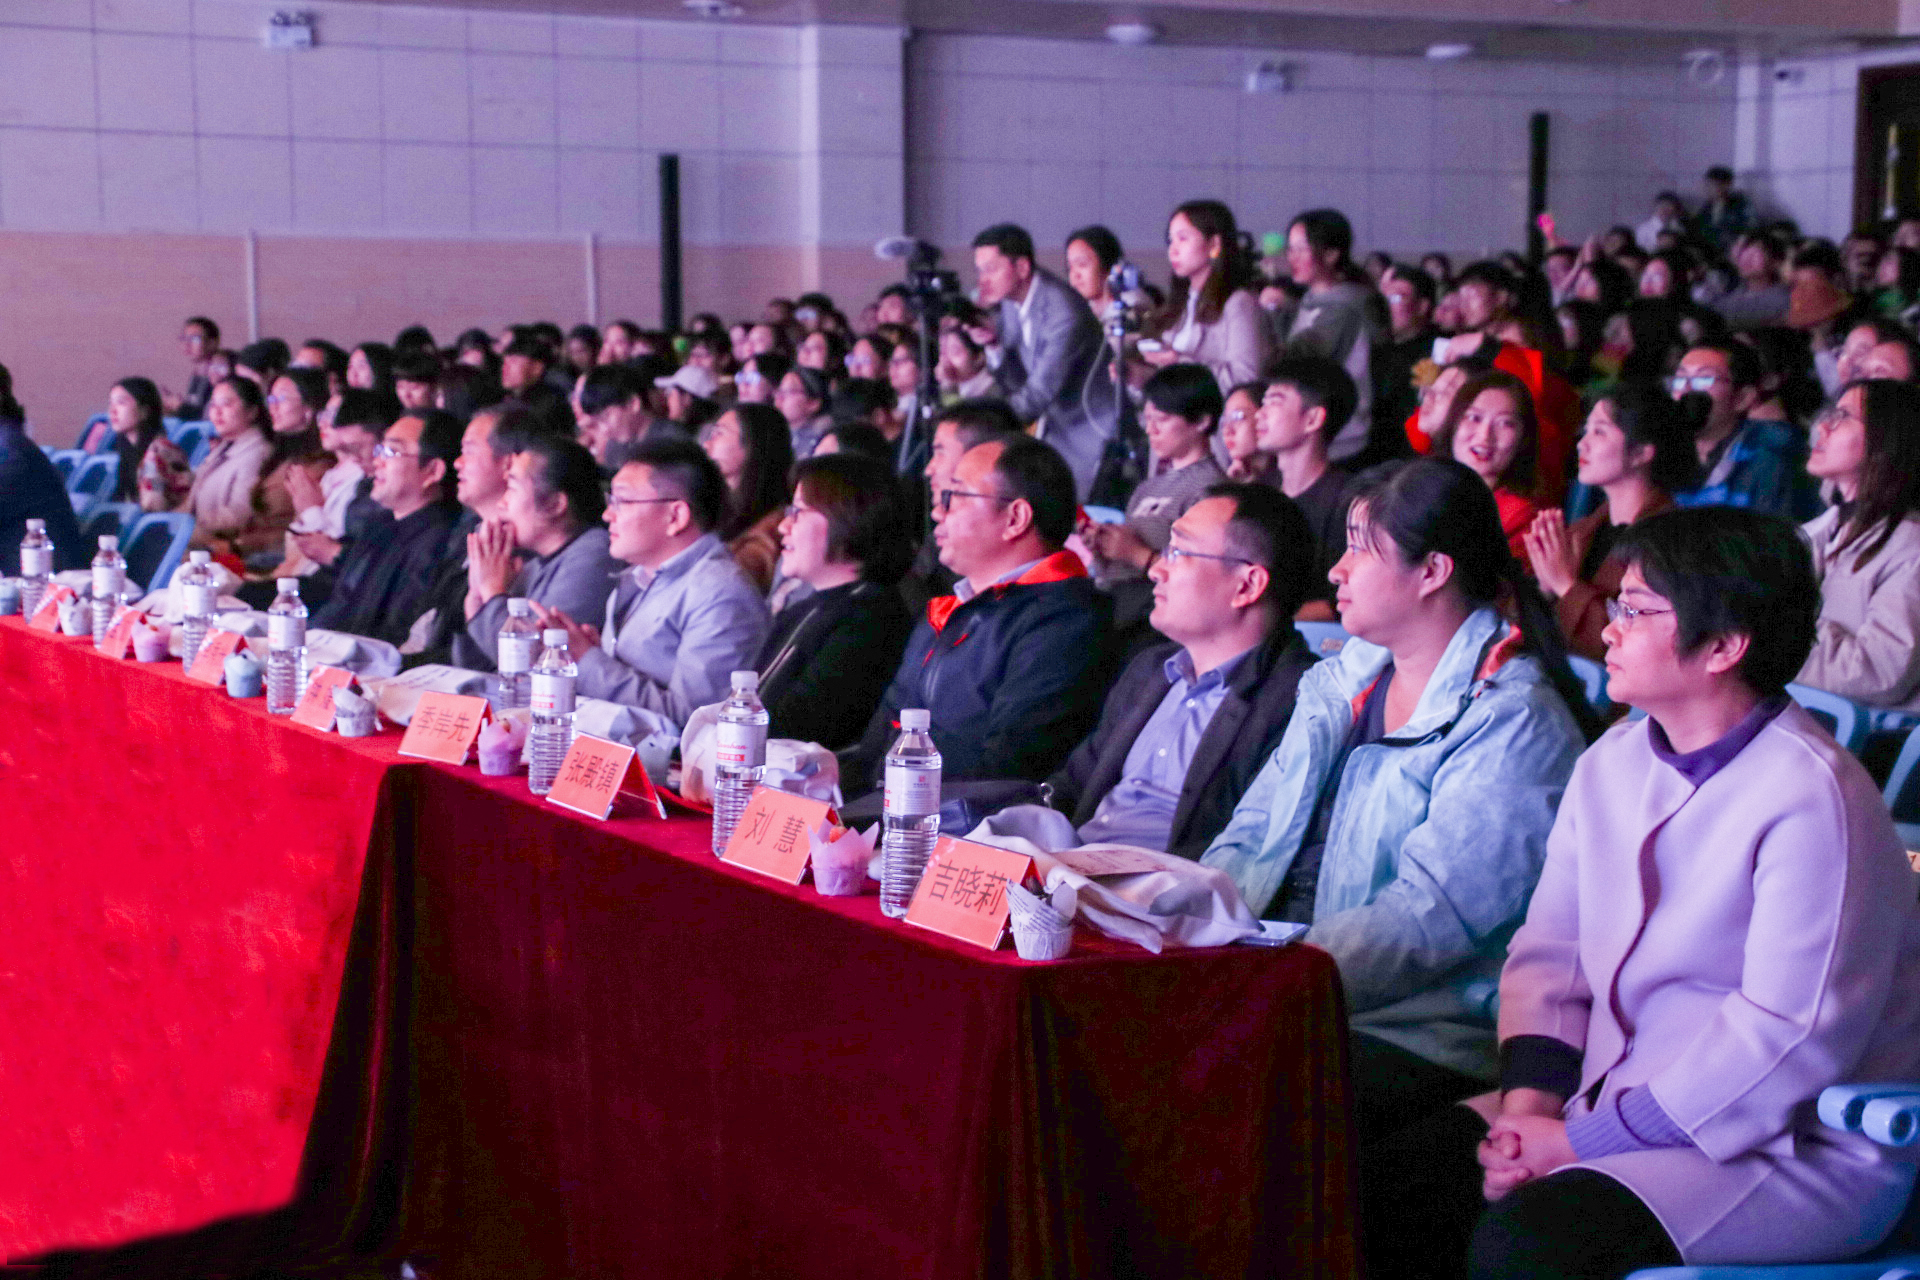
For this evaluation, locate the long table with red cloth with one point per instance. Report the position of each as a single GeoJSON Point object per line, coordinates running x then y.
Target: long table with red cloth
{"type": "Point", "coordinates": [278, 998]}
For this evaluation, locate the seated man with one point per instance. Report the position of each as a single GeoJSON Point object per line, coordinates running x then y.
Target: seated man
{"type": "Point", "coordinates": [1012, 700]}
{"type": "Point", "coordinates": [1308, 401]}
{"type": "Point", "coordinates": [487, 447]}
{"type": "Point", "coordinates": [1725, 927]}
{"type": "Point", "coordinates": [956, 429]}
{"type": "Point", "coordinates": [614, 415]}
{"type": "Point", "coordinates": [1189, 723]}
{"type": "Point", "coordinates": [684, 618]}
{"type": "Point", "coordinates": [387, 574]}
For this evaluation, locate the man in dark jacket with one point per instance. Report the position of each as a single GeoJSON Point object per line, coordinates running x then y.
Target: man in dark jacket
{"type": "Point", "coordinates": [386, 576]}
{"type": "Point", "coordinates": [1011, 664]}
{"type": "Point", "coordinates": [1189, 723]}
{"type": "Point", "coordinates": [31, 488]}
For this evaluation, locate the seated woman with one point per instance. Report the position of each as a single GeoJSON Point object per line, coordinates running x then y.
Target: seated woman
{"type": "Point", "coordinates": [134, 415]}
{"type": "Point", "coordinates": [1212, 316]}
{"type": "Point", "coordinates": [962, 372]}
{"type": "Point", "coordinates": [759, 378]}
{"type": "Point", "coordinates": [1374, 820]}
{"type": "Point", "coordinates": [750, 445]}
{"type": "Point", "coordinates": [1245, 461]}
{"type": "Point", "coordinates": [801, 398]}
{"type": "Point", "coordinates": [1637, 449]}
{"type": "Point", "coordinates": [1182, 406]}
{"type": "Point", "coordinates": [830, 656]}
{"type": "Point", "coordinates": [549, 545]}
{"type": "Point", "coordinates": [221, 499]}
{"type": "Point", "coordinates": [1866, 548]}
{"type": "Point", "coordinates": [1725, 926]}
{"type": "Point", "coordinates": [294, 401]}
{"type": "Point", "coordinates": [1491, 429]}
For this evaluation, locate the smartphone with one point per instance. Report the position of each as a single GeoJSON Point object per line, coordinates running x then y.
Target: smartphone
{"type": "Point", "coordinates": [1152, 344]}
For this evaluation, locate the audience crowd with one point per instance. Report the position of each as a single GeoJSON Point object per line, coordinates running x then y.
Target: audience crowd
{"type": "Point", "coordinates": [1596, 975]}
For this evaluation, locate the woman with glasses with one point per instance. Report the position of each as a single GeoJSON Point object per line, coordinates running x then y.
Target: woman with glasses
{"type": "Point", "coordinates": [290, 475]}
{"type": "Point", "coordinates": [847, 537]}
{"type": "Point", "coordinates": [1239, 440]}
{"type": "Point", "coordinates": [1636, 449]}
{"type": "Point", "coordinates": [801, 397]}
{"type": "Point", "coordinates": [1182, 405]}
{"type": "Point", "coordinates": [1404, 816]}
{"type": "Point", "coordinates": [1724, 927]}
{"type": "Point", "coordinates": [750, 445]}
{"type": "Point", "coordinates": [1866, 548]}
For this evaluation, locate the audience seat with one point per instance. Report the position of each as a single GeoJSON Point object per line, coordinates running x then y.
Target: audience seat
{"type": "Point", "coordinates": [96, 436]}
{"type": "Point", "coordinates": [1324, 638]}
{"type": "Point", "coordinates": [1105, 515]}
{"type": "Point", "coordinates": [105, 518]}
{"type": "Point", "coordinates": [95, 475]}
{"type": "Point", "coordinates": [1847, 721]}
{"type": "Point", "coordinates": [66, 462]}
{"type": "Point", "coordinates": [178, 431]}
{"type": "Point", "coordinates": [154, 544]}
{"type": "Point", "coordinates": [195, 444]}
{"type": "Point", "coordinates": [1888, 1114]}
{"type": "Point", "coordinates": [1593, 677]}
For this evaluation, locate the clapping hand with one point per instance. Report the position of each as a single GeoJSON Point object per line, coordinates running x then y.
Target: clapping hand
{"type": "Point", "coordinates": [581, 637]}
{"type": "Point", "coordinates": [1550, 553]}
{"type": "Point", "coordinates": [491, 563]}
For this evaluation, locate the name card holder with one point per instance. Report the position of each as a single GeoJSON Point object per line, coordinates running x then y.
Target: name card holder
{"type": "Point", "coordinates": [771, 836]}
{"type": "Point", "coordinates": [444, 726]}
{"type": "Point", "coordinates": [210, 664]}
{"type": "Point", "coordinates": [47, 617]}
{"type": "Point", "coordinates": [119, 641]}
{"type": "Point", "coordinates": [964, 891]}
{"type": "Point", "coordinates": [316, 704]}
{"type": "Point", "coordinates": [596, 772]}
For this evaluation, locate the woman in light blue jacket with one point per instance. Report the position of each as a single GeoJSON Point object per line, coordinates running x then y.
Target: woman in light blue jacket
{"type": "Point", "coordinates": [1405, 814]}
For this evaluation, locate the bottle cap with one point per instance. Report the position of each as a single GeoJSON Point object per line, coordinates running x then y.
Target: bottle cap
{"type": "Point", "coordinates": [915, 718]}
{"type": "Point", "coordinates": [199, 556]}
{"type": "Point", "coordinates": [36, 526]}
{"type": "Point", "coordinates": [554, 637]}
{"type": "Point", "coordinates": [109, 542]}
{"type": "Point", "coordinates": [288, 584]}
{"type": "Point", "coordinates": [519, 607]}
{"type": "Point", "coordinates": [745, 681]}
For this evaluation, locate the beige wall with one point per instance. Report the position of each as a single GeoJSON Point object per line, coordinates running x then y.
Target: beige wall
{"type": "Point", "coordinates": [81, 309]}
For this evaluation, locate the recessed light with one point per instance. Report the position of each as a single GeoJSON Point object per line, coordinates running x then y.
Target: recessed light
{"type": "Point", "coordinates": [1132, 33]}
{"type": "Point", "coordinates": [1448, 52]}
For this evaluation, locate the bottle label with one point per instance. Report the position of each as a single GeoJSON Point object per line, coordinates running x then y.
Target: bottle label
{"type": "Point", "coordinates": [911, 792]}
{"type": "Point", "coordinates": [742, 746]}
{"type": "Point", "coordinates": [285, 632]}
{"type": "Point", "coordinates": [106, 583]}
{"type": "Point", "coordinates": [516, 655]}
{"type": "Point", "coordinates": [36, 562]}
{"type": "Point", "coordinates": [198, 601]}
{"type": "Point", "coordinates": [552, 695]}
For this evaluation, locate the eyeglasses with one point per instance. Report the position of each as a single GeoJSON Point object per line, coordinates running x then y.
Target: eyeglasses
{"type": "Point", "coordinates": [385, 450]}
{"type": "Point", "coordinates": [948, 495]}
{"type": "Point", "coordinates": [621, 500]}
{"type": "Point", "coordinates": [1681, 383]}
{"type": "Point", "coordinates": [1174, 555]}
{"type": "Point", "coordinates": [1623, 614]}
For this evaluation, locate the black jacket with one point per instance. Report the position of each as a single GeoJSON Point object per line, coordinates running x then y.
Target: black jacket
{"type": "Point", "coordinates": [387, 575]}
{"type": "Point", "coordinates": [1012, 678]}
{"type": "Point", "coordinates": [828, 661]}
{"type": "Point", "coordinates": [31, 488]}
{"type": "Point", "coordinates": [1243, 733]}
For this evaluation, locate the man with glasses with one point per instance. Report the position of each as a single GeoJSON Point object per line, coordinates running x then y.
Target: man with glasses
{"type": "Point", "coordinates": [1190, 722]}
{"type": "Point", "coordinates": [1011, 664]}
{"type": "Point", "coordinates": [1757, 463]}
{"type": "Point", "coordinates": [387, 574]}
{"type": "Point", "coordinates": [683, 618]}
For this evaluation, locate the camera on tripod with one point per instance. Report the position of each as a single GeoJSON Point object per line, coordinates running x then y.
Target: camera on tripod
{"type": "Point", "coordinates": [932, 290]}
{"type": "Point", "coordinates": [1130, 302]}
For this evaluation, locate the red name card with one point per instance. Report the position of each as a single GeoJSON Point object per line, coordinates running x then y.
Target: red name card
{"type": "Point", "coordinates": [210, 664]}
{"type": "Point", "coordinates": [443, 727]}
{"type": "Point", "coordinates": [47, 617]}
{"type": "Point", "coordinates": [316, 704]}
{"type": "Point", "coordinates": [771, 836]}
{"type": "Point", "coordinates": [964, 891]}
{"type": "Point", "coordinates": [596, 772]}
{"type": "Point", "coordinates": [120, 634]}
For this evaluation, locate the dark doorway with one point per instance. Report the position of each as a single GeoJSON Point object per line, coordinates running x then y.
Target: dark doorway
{"type": "Point", "coordinates": [1886, 182]}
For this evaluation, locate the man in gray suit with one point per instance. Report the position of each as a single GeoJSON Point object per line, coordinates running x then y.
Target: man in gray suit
{"type": "Point", "coordinates": [1045, 351]}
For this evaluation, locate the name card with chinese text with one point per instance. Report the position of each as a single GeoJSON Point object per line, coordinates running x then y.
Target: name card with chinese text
{"type": "Point", "coordinates": [47, 617]}
{"type": "Point", "coordinates": [119, 640]}
{"type": "Point", "coordinates": [771, 836]}
{"type": "Point", "coordinates": [443, 727]}
{"type": "Point", "coordinates": [964, 891]}
{"type": "Point", "coordinates": [596, 772]}
{"type": "Point", "coordinates": [316, 704]}
{"type": "Point", "coordinates": [210, 664]}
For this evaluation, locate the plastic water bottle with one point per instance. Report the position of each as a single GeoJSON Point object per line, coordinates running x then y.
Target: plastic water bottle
{"type": "Point", "coordinates": [911, 821]}
{"type": "Point", "coordinates": [739, 755]}
{"type": "Point", "coordinates": [36, 566]}
{"type": "Point", "coordinates": [286, 649]}
{"type": "Point", "coordinates": [519, 646]}
{"type": "Point", "coordinates": [197, 599]}
{"type": "Point", "coordinates": [109, 579]}
{"type": "Point", "coordinates": [552, 704]}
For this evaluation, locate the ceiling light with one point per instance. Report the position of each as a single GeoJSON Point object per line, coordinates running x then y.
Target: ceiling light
{"type": "Point", "coordinates": [712, 8]}
{"type": "Point", "coordinates": [1448, 52]}
{"type": "Point", "coordinates": [1132, 33]}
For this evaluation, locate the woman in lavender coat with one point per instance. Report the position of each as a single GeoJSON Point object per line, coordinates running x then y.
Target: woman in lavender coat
{"type": "Point", "coordinates": [1725, 926]}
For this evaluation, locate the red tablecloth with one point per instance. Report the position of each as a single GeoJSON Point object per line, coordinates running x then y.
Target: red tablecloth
{"type": "Point", "coordinates": [569, 1048]}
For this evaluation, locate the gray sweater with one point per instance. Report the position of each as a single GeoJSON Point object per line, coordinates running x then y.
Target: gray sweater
{"type": "Point", "coordinates": [576, 579]}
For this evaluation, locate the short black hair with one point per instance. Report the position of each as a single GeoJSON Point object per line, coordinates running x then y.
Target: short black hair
{"type": "Point", "coordinates": [867, 520]}
{"type": "Point", "coordinates": [1743, 362]}
{"type": "Point", "coordinates": [1187, 391]}
{"type": "Point", "coordinates": [440, 439]}
{"type": "Point", "coordinates": [530, 346]}
{"type": "Point", "coordinates": [1009, 238]}
{"type": "Point", "coordinates": [1720, 173]}
{"type": "Point", "coordinates": [206, 326]}
{"type": "Point", "coordinates": [1423, 283]}
{"type": "Point", "coordinates": [1105, 245]}
{"type": "Point", "coordinates": [266, 357]}
{"type": "Point", "coordinates": [859, 437]}
{"type": "Point", "coordinates": [1268, 528]}
{"type": "Point", "coordinates": [566, 466]}
{"type": "Point", "coordinates": [856, 399]}
{"type": "Point", "coordinates": [683, 469]}
{"type": "Point", "coordinates": [369, 409]}
{"type": "Point", "coordinates": [465, 389]}
{"type": "Point", "coordinates": [979, 419]}
{"type": "Point", "coordinates": [333, 358]}
{"type": "Point", "coordinates": [415, 365]}
{"type": "Point", "coordinates": [607, 385]}
{"type": "Point", "coordinates": [1035, 472]}
{"type": "Point", "coordinates": [1323, 383]}
{"type": "Point", "coordinates": [1732, 571]}
{"type": "Point", "coordinates": [312, 385]}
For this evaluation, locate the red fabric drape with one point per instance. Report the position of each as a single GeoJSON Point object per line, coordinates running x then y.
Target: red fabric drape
{"type": "Point", "coordinates": [568, 1048]}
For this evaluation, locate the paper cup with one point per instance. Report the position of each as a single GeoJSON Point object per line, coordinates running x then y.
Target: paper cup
{"type": "Point", "coordinates": [150, 644]}
{"type": "Point", "coordinates": [9, 596]}
{"type": "Point", "coordinates": [358, 723]}
{"type": "Point", "coordinates": [1041, 942]}
{"type": "Point", "coordinates": [840, 880]}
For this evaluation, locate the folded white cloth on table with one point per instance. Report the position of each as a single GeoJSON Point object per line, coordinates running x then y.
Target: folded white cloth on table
{"type": "Point", "coordinates": [396, 696]}
{"type": "Point", "coordinates": [804, 768]}
{"type": "Point", "coordinates": [358, 654]}
{"type": "Point", "coordinates": [1151, 898]}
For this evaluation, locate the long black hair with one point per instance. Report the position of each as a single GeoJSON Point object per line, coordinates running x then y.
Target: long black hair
{"type": "Point", "coordinates": [1890, 472]}
{"type": "Point", "coordinates": [768, 443]}
{"type": "Point", "coordinates": [1434, 504]}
